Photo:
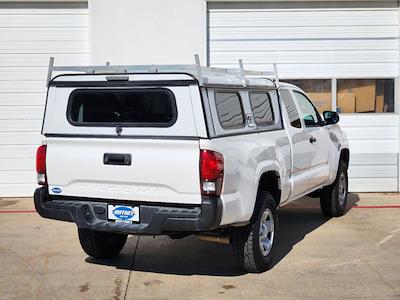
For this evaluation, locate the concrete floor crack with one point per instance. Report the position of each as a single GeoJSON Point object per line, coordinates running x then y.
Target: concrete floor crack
{"type": "Point", "coordinates": [131, 267]}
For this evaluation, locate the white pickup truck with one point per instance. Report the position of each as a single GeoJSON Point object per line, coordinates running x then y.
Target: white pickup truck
{"type": "Point", "coordinates": [180, 150]}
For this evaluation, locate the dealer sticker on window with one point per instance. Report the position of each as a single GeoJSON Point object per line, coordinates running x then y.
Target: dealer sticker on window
{"type": "Point", "coordinates": [123, 213]}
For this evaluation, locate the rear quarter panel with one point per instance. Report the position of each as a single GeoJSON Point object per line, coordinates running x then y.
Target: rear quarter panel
{"type": "Point", "coordinates": [246, 158]}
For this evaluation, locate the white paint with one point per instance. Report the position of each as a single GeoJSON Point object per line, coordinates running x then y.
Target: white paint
{"type": "Point", "coordinates": [147, 32]}
{"type": "Point", "coordinates": [385, 239]}
{"type": "Point", "coordinates": [29, 35]}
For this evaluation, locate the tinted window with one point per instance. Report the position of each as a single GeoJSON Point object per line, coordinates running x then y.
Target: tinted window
{"type": "Point", "coordinates": [262, 109]}
{"type": "Point", "coordinates": [307, 110]}
{"type": "Point", "coordinates": [291, 109]}
{"type": "Point", "coordinates": [365, 95]}
{"type": "Point", "coordinates": [133, 107]}
{"type": "Point", "coordinates": [229, 108]}
{"type": "Point", "coordinates": [319, 91]}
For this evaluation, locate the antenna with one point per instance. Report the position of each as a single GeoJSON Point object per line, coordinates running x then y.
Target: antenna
{"type": "Point", "coordinates": [198, 68]}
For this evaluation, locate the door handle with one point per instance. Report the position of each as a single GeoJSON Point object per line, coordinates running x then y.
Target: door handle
{"type": "Point", "coordinates": [117, 159]}
{"type": "Point", "coordinates": [312, 140]}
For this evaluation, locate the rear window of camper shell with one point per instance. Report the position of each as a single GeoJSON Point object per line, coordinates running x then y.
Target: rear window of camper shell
{"type": "Point", "coordinates": [155, 107]}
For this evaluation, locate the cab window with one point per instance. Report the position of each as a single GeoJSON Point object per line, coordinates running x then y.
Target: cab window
{"type": "Point", "coordinates": [291, 109]}
{"type": "Point", "coordinates": [307, 111]}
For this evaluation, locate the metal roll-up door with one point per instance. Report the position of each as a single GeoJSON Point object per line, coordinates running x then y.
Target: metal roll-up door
{"type": "Point", "coordinates": [29, 34]}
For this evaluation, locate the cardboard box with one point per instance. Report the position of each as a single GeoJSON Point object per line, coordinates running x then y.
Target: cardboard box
{"type": "Point", "coordinates": [364, 91]}
{"type": "Point", "coordinates": [346, 102]}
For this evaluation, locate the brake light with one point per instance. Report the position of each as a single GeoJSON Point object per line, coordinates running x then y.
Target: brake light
{"type": "Point", "coordinates": [41, 165]}
{"type": "Point", "coordinates": [211, 172]}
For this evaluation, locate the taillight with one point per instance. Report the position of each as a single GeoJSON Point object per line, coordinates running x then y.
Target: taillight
{"type": "Point", "coordinates": [211, 172]}
{"type": "Point", "coordinates": [41, 165]}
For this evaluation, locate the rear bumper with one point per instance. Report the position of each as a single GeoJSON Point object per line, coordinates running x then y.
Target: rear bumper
{"type": "Point", "coordinates": [153, 219]}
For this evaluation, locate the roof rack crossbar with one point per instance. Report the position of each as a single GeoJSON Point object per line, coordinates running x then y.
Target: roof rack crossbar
{"type": "Point", "coordinates": [196, 69]}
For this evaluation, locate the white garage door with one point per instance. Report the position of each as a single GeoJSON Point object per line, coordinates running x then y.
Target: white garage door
{"type": "Point", "coordinates": [322, 40]}
{"type": "Point", "coordinates": [29, 34]}
{"type": "Point", "coordinates": [314, 40]}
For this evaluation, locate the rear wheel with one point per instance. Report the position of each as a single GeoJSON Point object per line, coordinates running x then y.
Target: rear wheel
{"type": "Point", "coordinates": [334, 197]}
{"type": "Point", "coordinates": [253, 244]}
{"type": "Point", "coordinates": [101, 244]}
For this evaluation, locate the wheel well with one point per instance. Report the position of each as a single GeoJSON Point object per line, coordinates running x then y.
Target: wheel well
{"type": "Point", "coordinates": [270, 182]}
{"type": "Point", "coordinates": [345, 156]}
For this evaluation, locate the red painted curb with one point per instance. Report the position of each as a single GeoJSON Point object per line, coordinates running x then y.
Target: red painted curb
{"type": "Point", "coordinates": [17, 211]}
{"type": "Point", "coordinates": [377, 206]}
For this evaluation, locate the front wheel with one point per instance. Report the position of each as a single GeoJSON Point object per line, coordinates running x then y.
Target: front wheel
{"type": "Point", "coordinates": [334, 197]}
{"type": "Point", "coordinates": [101, 244]}
{"type": "Point", "coordinates": [253, 244]}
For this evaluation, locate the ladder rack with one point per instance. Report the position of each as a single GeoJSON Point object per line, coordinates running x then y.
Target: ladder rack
{"type": "Point", "coordinates": [200, 72]}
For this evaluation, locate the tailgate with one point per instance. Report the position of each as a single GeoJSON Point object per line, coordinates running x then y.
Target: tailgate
{"type": "Point", "coordinates": [160, 170]}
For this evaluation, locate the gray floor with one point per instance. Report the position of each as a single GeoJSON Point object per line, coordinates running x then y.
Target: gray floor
{"type": "Point", "coordinates": [353, 257]}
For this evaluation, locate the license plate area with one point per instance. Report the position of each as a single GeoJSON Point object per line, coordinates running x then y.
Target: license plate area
{"type": "Point", "coordinates": [123, 213]}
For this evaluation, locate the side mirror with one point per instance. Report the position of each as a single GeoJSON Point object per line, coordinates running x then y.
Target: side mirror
{"type": "Point", "coordinates": [331, 117]}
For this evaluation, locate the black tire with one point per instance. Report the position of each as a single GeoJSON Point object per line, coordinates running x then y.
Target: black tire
{"type": "Point", "coordinates": [334, 197]}
{"type": "Point", "coordinates": [246, 242]}
{"type": "Point", "coordinates": [101, 244]}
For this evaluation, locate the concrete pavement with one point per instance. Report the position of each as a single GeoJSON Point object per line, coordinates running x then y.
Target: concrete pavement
{"type": "Point", "coordinates": [353, 257]}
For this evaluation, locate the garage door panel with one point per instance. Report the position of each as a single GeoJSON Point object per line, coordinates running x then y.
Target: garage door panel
{"type": "Point", "coordinates": [377, 56]}
{"type": "Point", "coordinates": [44, 47]}
{"type": "Point", "coordinates": [20, 138]}
{"type": "Point", "coordinates": [374, 146]}
{"type": "Point", "coordinates": [22, 74]}
{"type": "Point", "coordinates": [22, 99]}
{"type": "Point", "coordinates": [375, 120]}
{"type": "Point", "coordinates": [369, 159]}
{"type": "Point", "coordinates": [20, 125]}
{"type": "Point", "coordinates": [271, 18]}
{"type": "Point", "coordinates": [15, 176]}
{"type": "Point", "coordinates": [303, 45]}
{"type": "Point", "coordinates": [18, 151]}
{"type": "Point", "coordinates": [21, 112]}
{"type": "Point", "coordinates": [44, 21]}
{"type": "Point", "coordinates": [32, 86]}
{"type": "Point", "coordinates": [319, 70]}
{"type": "Point", "coordinates": [29, 34]}
{"type": "Point", "coordinates": [380, 171]}
{"type": "Point", "coordinates": [373, 185]}
{"type": "Point", "coordinates": [43, 34]}
{"type": "Point", "coordinates": [371, 133]}
{"type": "Point", "coordinates": [17, 189]}
{"type": "Point", "coordinates": [41, 60]}
{"type": "Point", "coordinates": [251, 33]}
{"type": "Point", "coordinates": [36, 9]}
{"type": "Point", "coordinates": [17, 164]}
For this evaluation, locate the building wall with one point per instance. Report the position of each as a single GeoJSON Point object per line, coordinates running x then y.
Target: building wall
{"type": "Point", "coordinates": [147, 32]}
